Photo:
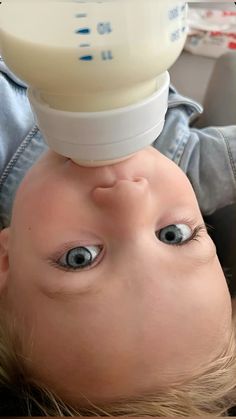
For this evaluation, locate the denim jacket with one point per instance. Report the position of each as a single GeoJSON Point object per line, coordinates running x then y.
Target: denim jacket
{"type": "Point", "coordinates": [207, 156]}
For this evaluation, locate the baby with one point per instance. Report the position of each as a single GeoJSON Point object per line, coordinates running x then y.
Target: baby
{"type": "Point", "coordinates": [113, 301]}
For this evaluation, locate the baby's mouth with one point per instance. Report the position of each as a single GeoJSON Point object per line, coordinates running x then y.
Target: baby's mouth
{"type": "Point", "coordinates": [105, 176]}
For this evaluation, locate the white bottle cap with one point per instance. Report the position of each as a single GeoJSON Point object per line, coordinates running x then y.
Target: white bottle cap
{"type": "Point", "coordinates": [98, 138]}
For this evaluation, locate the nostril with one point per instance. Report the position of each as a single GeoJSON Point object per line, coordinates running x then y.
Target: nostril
{"type": "Point", "coordinates": [138, 179]}
{"type": "Point", "coordinates": [108, 184]}
{"type": "Point", "coordinates": [115, 182]}
{"type": "Point", "coordinates": [121, 183]}
{"type": "Point", "coordinates": [123, 194]}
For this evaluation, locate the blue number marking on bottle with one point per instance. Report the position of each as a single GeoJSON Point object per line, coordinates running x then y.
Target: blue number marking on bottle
{"type": "Point", "coordinates": [107, 55]}
{"type": "Point", "coordinates": [174, 13]}
{"type": "Point", "coordinates": [83, 31]}
{"type": "Point", "coordinates": [175, 36]}
{"type": "Point", "coordinates": [86, 58]}
{"type": "Point", "coordinates": [104, 28]}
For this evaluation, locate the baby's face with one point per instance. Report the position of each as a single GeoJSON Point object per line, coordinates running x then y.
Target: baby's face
{"type": "Point", "coordinates": [108, 268]}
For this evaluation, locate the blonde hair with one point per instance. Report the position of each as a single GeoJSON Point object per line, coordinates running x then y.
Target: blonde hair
{"type": "Point", "coordinates": [212, 392]}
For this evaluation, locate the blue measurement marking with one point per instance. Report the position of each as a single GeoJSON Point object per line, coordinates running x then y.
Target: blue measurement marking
{"type": "Point", "coordinates": [86, 58]}
{"type": "Point", "coordinates": [83, 31]}
{"type": "Point", "coordinates": [81, 15]}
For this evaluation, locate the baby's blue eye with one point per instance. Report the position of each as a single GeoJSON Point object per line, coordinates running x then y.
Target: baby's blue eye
{"type": "Point", "coordinates": [80, 257]}
{"type": "Point", "coordinates": [175, 234]}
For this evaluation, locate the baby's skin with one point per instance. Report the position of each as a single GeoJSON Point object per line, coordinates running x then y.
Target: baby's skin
{"type": "Point", "coordinates": [111, 276]}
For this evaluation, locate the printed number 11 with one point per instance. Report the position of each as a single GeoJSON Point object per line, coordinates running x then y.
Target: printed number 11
{"type": "Point", "coordinates": [107, 55]}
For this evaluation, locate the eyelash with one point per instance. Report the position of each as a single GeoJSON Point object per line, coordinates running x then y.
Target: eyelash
{"type": "Point", "coordinates": [196, 235]}
{"type": "Point", "coordinates": [54, 262]}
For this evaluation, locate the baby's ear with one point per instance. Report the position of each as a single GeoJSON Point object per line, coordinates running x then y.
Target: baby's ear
{"type": "Point", "coordinates": [4, 258]}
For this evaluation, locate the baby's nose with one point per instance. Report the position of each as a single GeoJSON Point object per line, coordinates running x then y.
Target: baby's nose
{"type": "Point", "coordinates": [124, 195]}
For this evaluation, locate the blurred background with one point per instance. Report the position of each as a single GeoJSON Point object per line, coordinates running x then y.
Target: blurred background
{"type": "Point", "coordinates": [213, 33]}
{"type": "Point", "coordinates": [212, 23]}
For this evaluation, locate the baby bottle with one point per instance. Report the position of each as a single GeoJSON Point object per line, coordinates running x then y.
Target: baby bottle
{"type": "Point", "coordinates": [96, 70]}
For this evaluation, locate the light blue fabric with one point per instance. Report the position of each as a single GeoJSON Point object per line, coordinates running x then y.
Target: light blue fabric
{"type": "Point", "coordinates": [207, 156]}
{"type": "Point", "coordinates": [21, 143]}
